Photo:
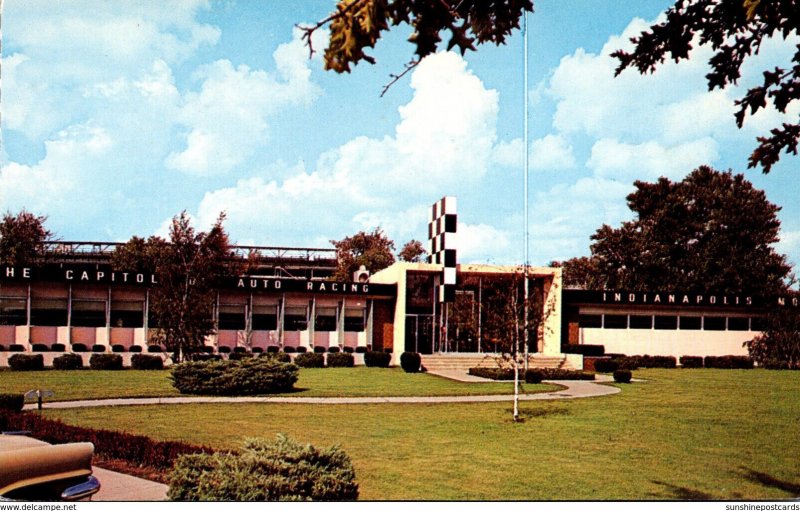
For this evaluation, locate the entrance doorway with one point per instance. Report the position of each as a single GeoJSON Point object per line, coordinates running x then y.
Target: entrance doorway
{"type": "Point", "coordinates": [419, 333]}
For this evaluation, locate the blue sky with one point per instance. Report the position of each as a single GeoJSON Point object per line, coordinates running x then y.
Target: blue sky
{"type": "Point", "coordinates": [118, 115]}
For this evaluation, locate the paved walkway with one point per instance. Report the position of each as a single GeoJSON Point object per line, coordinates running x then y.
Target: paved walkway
{"type": "Point", "coordinates": [122, 487]}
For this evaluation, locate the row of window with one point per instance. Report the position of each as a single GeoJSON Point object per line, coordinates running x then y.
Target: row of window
{"type": "Point", "coordinates": [295, 318]}
{"type": "Point", "coordinates": [664, 322]}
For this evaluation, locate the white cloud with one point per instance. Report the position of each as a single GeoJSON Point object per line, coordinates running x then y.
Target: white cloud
{"type": "Point", "coordinates": [481, 243]}
{"type": "Point", "coordinates": [612, 159]}
{"type": "Point", "coordinates": [509, 154]}
{"type": "Point", "coordinates": [552, 152]}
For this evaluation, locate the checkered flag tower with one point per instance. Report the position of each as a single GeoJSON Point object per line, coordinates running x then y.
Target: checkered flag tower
{"type": "Point", "coordinates": [442, 226]}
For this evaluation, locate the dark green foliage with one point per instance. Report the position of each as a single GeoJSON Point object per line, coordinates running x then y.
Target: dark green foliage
{"type": "Point", "coordinates": [154, 348]}
{"type": "Point", "coordinates": [563, 374]}
{"type": "Point", "coordinates": [334, 349]}
{"type": "Point", "coordinates": [271, 349]}
{"type": "Point", "coordinates": [16, 347]}
{"type": "Point", "coordinates": [98, 348]}
{"type": "Point", "coordinates": [264, 471]}
{"type": "Point", "coordinates": [58, 347]}
{"type": "Point", "coordinates": [135, 349]}
{"type": "Point", "coordinates": [2, 347]}
{"type": "Point", "coordinates": [690, 362]}
{"type": "Point", "coordinates": [410, 362]}
{"type": "Point", "coordinates": [135, 449]}
{"type": "Point", "coordinates": [40, 347]}
{"type": "Point", "coordinates": [299, 349]}
{"type": "Point", "coordinates": [377, 359]}
{"type": "Point", "coordinates": [224, 349]}
{"type": "Point", "coordinates": [319, 349]}
{"type": "Point", "coordinates": [779, 344]}
{"type": "Point", "coordinates": [146, 362]}
{"type": "Point", "coordinates": [647, 361]}
{"type": "Point", "coordinates": [105, 362]}
{"type": "Point", "coordinates": [12, 402]}
{"type": "Point", "coordinates": [239, 355]}
{"type": "Point", "coordinates": [492, 373]}
{"type": "Point", "coordinates": [289, 349]}
{"type": "Point", "coordinates": [622, 376]}
{"type": "Point", "coordinates": [361, 349]}
{"type": "Point", "coordinates": [117, 348]}
{"type": "Point", "coordinates": [373, 250]}
{"type": "Point", "coordinates": [340, 360]}
{"type": "Point", "coordinates": [21, 238]}
{"type": "Point", "coordinates": [310, 360]}
{"type": "Point", "coordinates": [79, 347]}
{"type": "Point", "coordinates": [240, 349]}
{"type": "Point", "coordinates": [26, 362]}
{"type": "Point", "coordinates": [348, 349]}
{"type": "Point", "coordinates": [261, 375]}
{"type": "Point", "coordinates": [68, 361]}
{"type": "Point", "coordinates": [533, 377]}
{"type": "Point", "coordinates": [728, 362]}
{"type": "Point", "coordinates": [605, 365]}
{"type": "Point", "coordinates": [587, 350]}
{"type": "Point", "coordinates": [280, 357]}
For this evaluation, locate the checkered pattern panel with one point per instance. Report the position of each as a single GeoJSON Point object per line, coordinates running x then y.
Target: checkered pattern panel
{"type": "Point", "coordinates": [442, 227]}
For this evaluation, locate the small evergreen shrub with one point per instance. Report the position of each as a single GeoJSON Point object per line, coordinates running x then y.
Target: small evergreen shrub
{"type": "Point", "coordinates": [280, 357]}
{"type": "Point", "coordinates": [361, 349]}
{"type": "Point", "coordinates": [647, 362]}
{"type": "Point", "coordinates": [98, 348]}
{"type": "Point", "coordinates": [253, 376]}
{"type": "Point", "coordinates": [224, 349]}
{"type": "Point", "coordinates": [410, 362]}
{"type": "Point", "coordinates": [3, 347]}
{"type": "Point", "coordinates": [603, 365]}
{"type": "Point", "coordinates": [340, 360]}
{"type": "Point", "coordinates": [105, 362]}
{"type": "Point", "coordinates": [12, 402]}
{"type": "Point", "coordinates": [492, 373]}
{"type": "Point", "coordinates": [154, 348]}
{"type": "Point", "coordinates": [40, 347]}
{"type": "Point", "coordinates": [118, 348]}
{"type": "Point", "coordinates": [239, 355]}
{"type": "Point", "coordinates": [622, 376]}
{"type": "Point", "coordinates": [289, 349]}
{"type": "Point", "coordinates": [587, 350]}
{"type": "Point", "coordinates": [264, 471]}
{"type": "Point", "coordinates": [334, 349]}
{"type": "Point", "coordinates": [26, 362]}
{"type": "Point", "coordinates": [563, 374]}
{"type": "Point", "coordinates": [310, 360]}
{"type": "Point", "coordinates": [272, 349]}
{"type": "Point", "coordinates": [301, 349]}
{"type": "Point", "coordinates": [207, 349]}
{"type": "Point", "coordinates": [146, 362]}
{"type": "Point", "coordinates": [348, 349]}
{"type": "Point", "coordinates": [16, 348]}
{"type": "Point", "coordinates": [240, 349]}
{"type": "Point", "coordinates": [259, 349]}
{"type": "Point", "coordinates": [68, 362]}
{"type": "Point", "coordinates": [319, 349]}
{"type": "Point", "coordinates": [79, 347]}
{"type": "Point", "coordinates": [533, 377]}
{"type": "Point", "coordinates": [135, 349]}
{"type": "Point", "coordinates": [377, 359]}
{"type": "Point", "coordinates": [690, 362]}
{"type": "Point", "coordinates": [729, 362]}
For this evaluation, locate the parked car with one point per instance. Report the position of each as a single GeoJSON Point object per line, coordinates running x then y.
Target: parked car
{"type": "Point", "coordinates": [31, 469]}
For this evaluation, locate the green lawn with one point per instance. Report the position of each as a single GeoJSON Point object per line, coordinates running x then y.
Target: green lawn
{"type": "Point", "coordinates": [683, 434]}
{"type": "Point", "coordinates": [330, 382]}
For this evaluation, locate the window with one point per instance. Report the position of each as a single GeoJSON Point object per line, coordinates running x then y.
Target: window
{"type": "Point", "coordinates": [265, 317]}
{"type": "Point", "coordinates": [127, 314]}
{"type": "Point", "coordinates": [590, 321]}
{"type": "Point", "coordinates": [714, 323]}
{"type": "Point", "coordinates": [354, 320]}
{"type": "Point", "coordinates": [615, 321]}
{"type": "Point", "coordinates": [13, 311]}
{"type": "Point", "coordinates": [739, 324]}
{"type": "Point", "coordinates": [49, 312]}
{"type": "Point", "coordinates": [641, 322]}
{"type": "Point", "coordinates": [295, 318]}
{"type": "Point", "coordinates": [690, 322]}
{"type": "Point", "coordinates": [665, 322]}
{"type": "Point", "coordinates": [91, 313]}
{"type": "Point", "coordinates": [757, 324]}
{"type": "Point", "coordinates": [325, 320]}
{"type": "Point", "coordinates": [232, 317]}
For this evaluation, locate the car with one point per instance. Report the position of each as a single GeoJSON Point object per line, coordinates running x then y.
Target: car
{"type": "Point", "coordinates": [31, 469]}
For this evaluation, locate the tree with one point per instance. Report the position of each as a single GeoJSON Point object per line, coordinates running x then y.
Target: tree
{"type": "Point", "coordinates": [735, 29]}
{"type": "Point", "coordinates": [778, 346]}
{"type": "Point", "coordinates": [373, 250]}
{"type": "Point", "coordinates": [22, 237]}
{"type": "Point", "coordinates": [579, 273]}
{"type": "Point", "coordinates": [412, 252]}
{"type": "Point", "coordinates": [139, 255]}
{"type": "Point", "coordinates": [711, 232]}
{"type": "Point", "coordinates": [358, 24]}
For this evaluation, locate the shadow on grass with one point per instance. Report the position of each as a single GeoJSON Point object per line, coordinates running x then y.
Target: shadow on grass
{"type": "Point", "coordinates": [534, 413]}
{"type": "Point", "coordinates": [682, 493]}
{"type": "Point", "coordinates": [771, 482]}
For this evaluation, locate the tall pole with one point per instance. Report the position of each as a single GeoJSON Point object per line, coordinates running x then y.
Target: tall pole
{"type": "Point", "coordinates": [525, 207]}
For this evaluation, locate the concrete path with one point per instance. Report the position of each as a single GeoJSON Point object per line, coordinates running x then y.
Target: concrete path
{"type": "Point", "coordinates": [122, 487]}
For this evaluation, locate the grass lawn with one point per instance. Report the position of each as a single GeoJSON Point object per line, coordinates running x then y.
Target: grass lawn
{"type": "Point", "coordinates": [683, 434]}
{"type": "Point", "coordinates": [330, 382]}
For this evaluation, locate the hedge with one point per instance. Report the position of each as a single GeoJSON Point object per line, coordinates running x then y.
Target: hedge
{"type": "Point", "coordinates": [262, 375]}
{"type": "Point", "coordinates": [319, 349]}
{"type": "Point", "coordinates": [105, 362]}
{"type": "Point", "coordinates": [377, 359]}
{"type": "Point", "coordinates": [154, 348]}
{"type": "Point", "coordinates": [622, 376]}
{"type": "Point", "coordinates": [361, 349]}
{"type": "Point", "coordinates": [308, 360]}
{"type": "Point", "coordinates": [40, 347]}
{"type": "Point", "coordinates": [300, 349]}
{"type": "Point", "coordinates": [12, 402]}
{"type": "Point", "coordinates": [146, 362]}
{"type": "Point", "coordinates": [605, 365]}
{"type": "Point", "coordinates": [98, 348]}
{"type": "Point", "coordinates": [410, 362]}
{"type": "Point", "coordinates": [79, 347]}
{"type": "Point", "coordinates": [289, 349]}
{"type": "Point", "coordinates": [26, 362]}
{"type": "Point", "coordinates": [587, 350]}
{"type": "Point", "coordinates": [647, 362]}
{"type": "Point", "coordinates": [532, 376]}
{"type": "Point", "coordinates": [58, 347]}
{"type": "Point", "coordinates": [729, 362]}
{"type": "Point", "coordinates": [16, 347]}
{"type": "Point", "coordinates": [239, 355]}
{"type": "Point", "coordinates": [340, 360]}
{"type": "Point", "coordinates": [68, 361]}
{"type": "Point", "coordinates": [264, 471]}
{"type": "Point", "coordinates": [118, 348]}
{"type": "Point", "coordinates": [690, 362]}
{"type": "Point", "coordinates": [271, 349]}
{"type": "Point", "coordinates": [135, 349]}
{"type": "Point", "coordinates": [334, 349]}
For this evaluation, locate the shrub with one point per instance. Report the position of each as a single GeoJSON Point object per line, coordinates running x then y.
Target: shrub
{"type": "Point", "coordinates": [289, 349]}
{"type": "Point", "coordinates": [310, 360]}
{"type": "Point", "coordinates": [68, 361]}
{"type": "Point", "coordinates": [302, 349]}
{"type": "Point", "coordinates": [533, 376]}
{"type": "Point", "coordinates": [280, 357]}
{"type": "Point", "coordinates": [26, 362]}
{"type": "Point", "coordinates": [79, 347]}
{"type": "Point", "coordinates": [361, 349]}
{"type": "Point", "coordinates": [135, 349]}
{"type": "Point", "coordinates": [587, 350]}
{"type": "Point", "coordinates": [16, 348]}
{"type": "Point", "coordinates": [605, 365]}
{"type": "Point", "coordinates": [2, 347]}
{"type": "Point", "coordinates": [224, 349]}
{"type": "Point", "coordinates": [340, 360]}
{"type": "Point", "coordinates": [410, 362]}
{"type": "Point", "coordinates": [262, 375]}
{"type": "Point", "coordinates": [58, 347]}
{"type": "Point", "coordinates": [492, 373]}
{"type": "Point", "coordinates": [690, 362]}
{"type": "Point", "coordinates": [98, 348]}
{"type": "Point", "coordinates": [348, 349]}
{"type": "Point", "coordinates": [40, 347]}
{"type": "Point", "coordinates": [105, 362]}
{"type": "Point", "coordinates": [647, 361]}
{"type": "Point", "coordinates": [334, 349]}
{"type": "Point", "coordinates": [154, 348]}
{"type": "Point", "coordinates": [622, 376]}
{"type": "Point", "coordinates": [377, 359]}
{"type": "Point", "coordinates": [729, 362]}
{"type": "Point", "coordinates": [563, 374]}
{"type": "Point", "coordinates": [12, 402]}
{"type": "Point", "coordinates": [272, 349]}
{"type": "Point", "coordinates": [258, 349]}
{"type": "Point", "coordinates": [207, 349]}
{"type": "Point", "coordinates": [118, 348]}
{"type": "Point", "coordinates": [319, 349]}
{"type": "Point", "coordinates": [240, 349]}
{"type": "Point", "coordinates": [264, 471]}
{"type": "Point", "coordinates": [146, 362]}
{"type": "Point", "coordinates": [238, 355]}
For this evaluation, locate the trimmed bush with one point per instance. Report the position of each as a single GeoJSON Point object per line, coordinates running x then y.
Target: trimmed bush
{"type": "Point", "coordinates": [18, 348]}
{"type": "Point", "coordinates": [605, 365]}
{"type": "Point", "coordinates": [79, 347]}
{"type": "Point", "coordinates": [340, 360]}
{"type": "Point", "coordinates": [154, 348]}
{"type": "Point", "coordinates": [587, 350]}
{"type": "Point", "coordinates": [264, 471]}
{"type": "Point", "coordinates": [377, 359]}
{"type": "Point", "coordinates": [622, 376]}
{"type": "Point", "coordinates": [319, 349]}
{"type": "Point", "coordinates": [98, 348]}
{"type": "Point", "coordinates": [410, 362]}
{"type": "Point", "coordinates": [272, 349]}
{"type": "Point", "coordinates": [361, 349]}
{"type": "Point", "coordinates": [26, 362]}
{"type": "Point", "coordinates": [207, 349]}
{"type": "Point", "coordinates": [240, 349]}
{"type": "Point", "coordinates": [261, 375]}
{"type": "Point", "coordinates": [258, 349]}
{"type": "Point", "coordinates": [533, 376]}
{"type": "Point", "coordinates": [280, 357]}
{"type": "Point", "coordinates": [105, 362]}
{"type": "Point", "coordinates": [40, 347]}
{"type": "Point", "coordinates": [492, 373]}
{"type": "Point", "coordinates": [68, 362]}
{"type": "Point", "coordinates": [334, 349]}
{"type": "Point", "coordinates": [310, 360]}
{"type": "Point", "coordinates": [647, 362]}
{"type": "Point", "coordinates": [689, 362]}
{"type": "Point", "coordinates": [2, 347]}
{"type": "Point", "coordinates": [135, 349]}
{"type": "Point", "coordinates": [58, 348]}
{"type": "Point", "coordinates": [563, 374]}
{"type": "Point", "coordinates": [12, 402]}
{"type": "Point", "coordinates": [117, 348]}
{"type": "Point", "coordinates": [729, 362]}
{"type": "Point", "coordinates": [348, 349]}
{"type": "Point", "coordinates": [238, 355]}
{"type": "Point", "coordinates": [289, 349]}
{"type": "Point", "coordinates": [146, 362]}
{"type": "Point", "coordinates": [224, 349]}
{"type": "Point", "coordinates": [300, 349]}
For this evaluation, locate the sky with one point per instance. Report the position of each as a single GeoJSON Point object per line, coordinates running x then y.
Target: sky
{"type": "Point", "coordinates": [116, 116]}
